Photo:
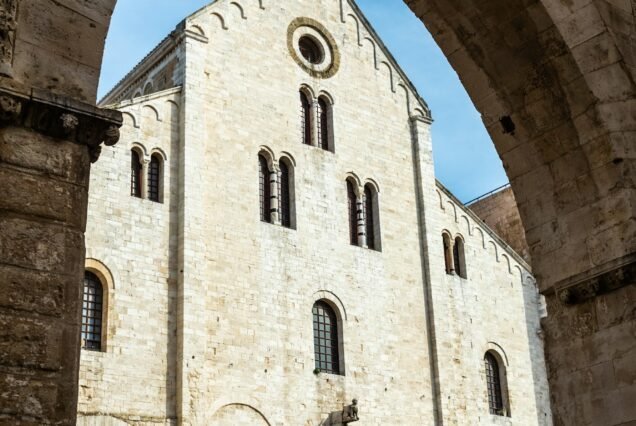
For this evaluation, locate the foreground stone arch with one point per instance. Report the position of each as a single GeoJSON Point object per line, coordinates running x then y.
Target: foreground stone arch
{"type": "Point", "coordinates": [553, 80]}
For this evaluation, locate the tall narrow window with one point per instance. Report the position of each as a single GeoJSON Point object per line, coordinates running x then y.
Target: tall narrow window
{"type": "Point", "coordinates": [305, 118]}
{"type": "Point", "coordinates": [448, 254]}
{"type": "Point", "coordinates": [286, 194]}
{"type": "Point", "coordinates": [154, 178]}
{"type": "Point", "coordinates": [326, 338]}
{"type": "Point", "coordinates": [135, 174]}
{"type": "Point", "coordinates": [458, 257]}
{"type": "Point", "coordinates": [372, 217]}
{"type": "Point", "coordinates": [92, 305]}
{"type": "Point", "coordinates": [352, 205]}
{"type": "Point", "coordinates": [324, 129]}
{"type": "Point", "coordinates": [264, 188]}
{"type": "Point", "coordinates": [493, 381]}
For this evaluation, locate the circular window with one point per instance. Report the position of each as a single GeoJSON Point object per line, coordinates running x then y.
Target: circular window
{"type": "Point", "coordinates": [310, 50]}
{"type": "Point", "coordinates": [313, 48]}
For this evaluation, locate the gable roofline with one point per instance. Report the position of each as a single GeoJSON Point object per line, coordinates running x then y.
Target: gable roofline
{"type": "Point", "coordinates": [482, 224]}
{"type": "Point", "coordinates": [387, 53]}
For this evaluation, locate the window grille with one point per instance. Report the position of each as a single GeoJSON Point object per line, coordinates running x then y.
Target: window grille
{"type": "Point", "coordinates": [305, 118]}
{"type": "Point", "coordinates": [264, 189]}
{"type": "Point", "coordinates": [323, 124]}
{"type": "Point", "coordinates": [369, 213]}
{"type": "Point", "coordinates": [353, 224]}
{"type": "Point", "coordinates": [92, 304]}
{"type": "Point", "coordinates": [285, 195]}
{"type": "Point", "coordinates": [493, 381]}
{"type": "Point", "coordinates": [326, 338]}
{"type": "Point", "coordinates": [135, 174]}
{"type": "Point", "coordinates": [154, 173]}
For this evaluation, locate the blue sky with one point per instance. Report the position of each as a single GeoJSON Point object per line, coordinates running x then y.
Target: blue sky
{"type": "Point", "coordinates": [465, 158]}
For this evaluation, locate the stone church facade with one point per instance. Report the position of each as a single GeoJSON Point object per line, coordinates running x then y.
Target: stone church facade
{"type": "Point", "coordinates": [267, 242]}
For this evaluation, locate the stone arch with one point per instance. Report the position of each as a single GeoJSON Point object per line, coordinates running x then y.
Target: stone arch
{"type": "Point", "coordinates": [357, 183]}
{"type": "Point", "coordinates": [482, 236]}
{"type": "Point", "coordinates": [407, 97]}
{"type": "Point", "coordinates": [148, 88]}
{"type": "Point", "coordinates": [441, 199]}
{"type": "Point", "coordinates": [333, 300]}
{"type": "Point", "coordinates": [327, 96]}
{"type": "Point", "coordinates": [140, 148]}
{"type": "Point", "coordinates": [356, 24]}
{"type": "Point", "coordinates": [308, 91]}
{"type": "Point", "coordinates": [239, 8]}
{"type": "Point", "coordinates": [507, 259]}
{"type": "Point", "coordinates": [132, 118]}
{"type": "Point", "coordinates": [453, 209]}
{"type": "Point", "coordinates": [495, 249]}
{"type": "Point", "coordinates": [197, 29]}
{"type": "Point", "coordinates": [466, 222]}
{"type": "Point", "coordinates": [239, 414]}
{"type": "Point", "coordinates": [373, 51]}
{"type": "Point", "coordinates": [160, 152]}
{"type": "Point", "coordinates": [269, 155]}
{"type": "Point", "coordinates": [220, 18]}
{"type": "Point", "coordinates": [385, 65]}
{"type": "Point", "coordinates": [153, 109]}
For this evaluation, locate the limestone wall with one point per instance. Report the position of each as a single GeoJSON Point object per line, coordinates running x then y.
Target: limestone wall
{"type": "Point", "coordinates": [211, 315]}
{"type": "Point", "coordinates": [131, 246]}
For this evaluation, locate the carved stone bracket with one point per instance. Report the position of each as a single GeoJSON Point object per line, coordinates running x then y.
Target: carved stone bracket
{"type": "Point", "coordinates": [61, 118]}
{"type": "Point", "coordinates": [601, 280]}
{"type": "Point", "coordinates": [8, 26]}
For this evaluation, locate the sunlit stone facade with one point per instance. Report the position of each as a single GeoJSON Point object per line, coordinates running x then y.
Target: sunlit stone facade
{"type": "Point", "coordinates": [208, 309]}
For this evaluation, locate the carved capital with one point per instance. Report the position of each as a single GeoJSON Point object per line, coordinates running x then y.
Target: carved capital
{"type": "Point", "coordinates": [8, 26]}
{"type": "Point", "coordinates": [63, 119]}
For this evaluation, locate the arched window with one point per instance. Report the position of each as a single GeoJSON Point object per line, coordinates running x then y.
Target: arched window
{"type": "Point", "coordinates": [495, 382]}
{"type": "Point", "coordinates": [305, 118]}
{"type": "Point", "coordinates": [148, 88]}
{"type": "Point", "coordinates": [135, 174]}
{"type": "Point", "coordinates": [264, 188]}
{"type": "Point", "coordinates": [286, 198]}
{"type": "Point", "coordinates": [448, 255]}
{"type": "Point", "coordinates": [325, 124]}
{"type": "Point", "coordinates": [326, 348]}
{"type": "Point", "coordinates": [92, 305]}
{"type": "Point", "coordinates": [154, 178]}
{"type": "Point", "coordinates": [372, 217]}
{"type": "Point", "coordinates": [458, 257]}
{"type": "Point", "coordinates": [352, 205]}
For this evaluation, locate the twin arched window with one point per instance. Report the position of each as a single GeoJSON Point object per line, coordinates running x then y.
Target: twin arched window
{"type": "Point", "coordinates": [326, 338]}
{"type": "Point", "coordinates": [92, 312]}
{"type": "Point", "coordinates": [454, 257]}
{"type": "Point", "coordinates": [322, 115]}
{"type": "Point", "coordinates": [154, 180]}
{"type": "Point", "coordinates": [496, 385]}
{"type": "Point", "coordinates": [276, 192]}
{"type": "Point", "coordinates": [364, 217]}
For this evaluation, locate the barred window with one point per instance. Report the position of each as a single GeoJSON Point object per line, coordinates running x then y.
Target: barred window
{"type": "Point", "coordinates": [352, 205]}
{"type": "Point", "coordinates": [135, 174]}
{"type": "Point", "coordinates": [372, 217]}
{"type": "Point", "coordinates": [285, 195]}
{"type": "Point", "coordinates": [493, 381]}
{"type": "Point", "coordinates": [448, 256]}
{"type": "Point", "coordinates": [305, 118]}
{"type": "Point", "coordinates": [92, 305]}
{"type": "Point", "coordinates": [324, 114]}
{"type": "Point", "coordinates": [326, 338]}
{"type": "Point", "coordinates": [154, 178]}
{"type": "Point", "coordinates": [264, 189]}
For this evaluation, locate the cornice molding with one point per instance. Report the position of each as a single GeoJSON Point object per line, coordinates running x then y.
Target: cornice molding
{"type": "Point", "coordinates": [61, 118]}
